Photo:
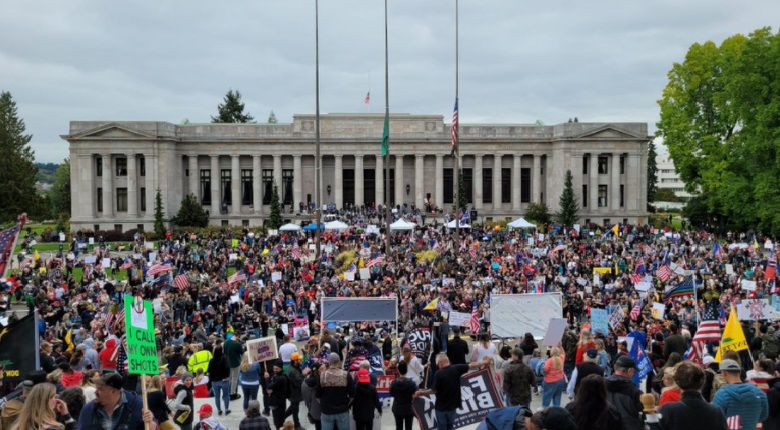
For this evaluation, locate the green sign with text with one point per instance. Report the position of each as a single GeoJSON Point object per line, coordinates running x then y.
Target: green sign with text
{"type": "Point", "coordinates": [141, 342]}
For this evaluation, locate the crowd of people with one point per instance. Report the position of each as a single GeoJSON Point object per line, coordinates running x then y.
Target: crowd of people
{"type": "Point", "coordinates": [213, 292]}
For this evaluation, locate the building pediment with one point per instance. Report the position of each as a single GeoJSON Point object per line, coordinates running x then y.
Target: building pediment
{"type": "Point", "coordinates": [113, 131]}
{"type": "Point", "coordinates": [608, 131]}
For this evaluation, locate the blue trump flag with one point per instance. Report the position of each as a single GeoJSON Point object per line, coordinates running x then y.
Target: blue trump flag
{"type": "Point", "coordinates": [643, 364]}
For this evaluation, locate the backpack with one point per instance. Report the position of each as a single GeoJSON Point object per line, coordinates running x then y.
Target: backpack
{"type": "Point", "coordinates": [771, 346]}
{"type": "Point", "coordinates": [539, 369]}
{"type": "Point", "coordinates": [287, 386]}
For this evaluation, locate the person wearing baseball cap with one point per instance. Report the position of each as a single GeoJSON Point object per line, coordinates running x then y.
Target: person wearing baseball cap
{"type": "Point", "coordinates": [277, 387]}
{"type": "Point", "coordinates": [207, 421]}
{"type": "Point", "coordinates": [296, 377]}
{"type": "Point", "coordinates": [123, 408]}
{"type": "Point", "coordinates": [739, 398]}
{"type": "Point", "coordinates": [365, 401]}
{"type": "Point", "coordinates": [624, 395]}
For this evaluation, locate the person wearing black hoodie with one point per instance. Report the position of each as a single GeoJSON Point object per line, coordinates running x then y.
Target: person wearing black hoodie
{"type": "Point", "coordinates": [401, 390]}
{"type": "Point", "coordinates": [278, 385]}
{"type": "Point", "coordinates": [365, 400]}
{"type": "Point", "coordinates": [624, 395]}
{"type": "Point", "coordinates": [219, 375]}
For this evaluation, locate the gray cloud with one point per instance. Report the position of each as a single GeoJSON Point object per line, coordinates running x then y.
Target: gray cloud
{"type": "Point", "coordinates": [519, 61]}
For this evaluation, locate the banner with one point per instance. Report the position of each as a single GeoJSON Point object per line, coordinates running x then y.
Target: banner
{"type": "Point", "coordinates": [479, 396]}
{"type": "Point", "coordinates": [419, 341]}
{"type": "Point", "coordinates": [19, 349]}
{"type": "Point", "coordinates": [459, 319]}
{"type": "Point", "coordinates": [599, 320]}
{"type": "Point", "coordinates": [141, 341]}
{"type": "Point", "coordinates": [301, 329]}
{"type": "Point", "coordinates": [757, 309]}
{"type": "Point", "coordinates": [262, 349]}
{"type": "Point", "coordinates": [513, 315]}
{"type": "Point", "coordinates": [383, 383]}
{"type": "Point", "coordinates": [602, 270]}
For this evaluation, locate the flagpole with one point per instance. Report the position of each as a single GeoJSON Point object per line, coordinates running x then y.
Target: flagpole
{"type": "Point", "coordinates": [456, 153]}
{"type": "Point", "coordinates": [387, 153]}
{"type": "Point", "coordinates": [317, 156]}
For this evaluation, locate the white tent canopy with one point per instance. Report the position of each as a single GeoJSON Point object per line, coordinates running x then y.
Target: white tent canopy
{"type": "Point", "coordinates": [453, 224]}
{"type": "Point", "coordinates": [290, 227]}
{"type": "Point", "coordinates": [402, 224]}
{"type": "Point", "coordinates": [520, 223]}
{"type": "Point", "coordinates": [336, 225]}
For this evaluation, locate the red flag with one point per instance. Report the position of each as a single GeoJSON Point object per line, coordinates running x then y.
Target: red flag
{"type": "Point", "coordinates": [368, 98]}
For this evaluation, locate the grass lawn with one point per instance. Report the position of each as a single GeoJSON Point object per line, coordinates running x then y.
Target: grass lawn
{"type": "Point", "coordinates": [55, 246]}
{"type": "Point", "coordinates": [119, 275]}
{"type": "Point", "coordinates": [39, 228]}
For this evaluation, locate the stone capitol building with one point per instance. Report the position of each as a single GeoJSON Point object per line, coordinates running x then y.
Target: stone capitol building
{"type": "Point", "coordinates": [116, 167]}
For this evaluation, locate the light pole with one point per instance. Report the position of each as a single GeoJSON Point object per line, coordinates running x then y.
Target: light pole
{"type": "Point", "coordinates": [317, 156]}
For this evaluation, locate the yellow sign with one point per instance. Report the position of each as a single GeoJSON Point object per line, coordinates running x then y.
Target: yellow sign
{"type": "Point", "coordinates": [602, 270]}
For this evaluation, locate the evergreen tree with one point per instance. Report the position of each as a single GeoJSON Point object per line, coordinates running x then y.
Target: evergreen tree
{"type": "Point", "coordinates": [462, 202]}
{"type": "Point", "coordinates": [159, 215]}
{"type": "Point", "coordinates": [538, 213]}
{"type": "Point", "coordinates": [567, 212]}
{"type": "Point", "coordinates": [275, 220]}
{"type": "Point", "coordinates": [191, 213]}
{"type": "Point", "coordinates": [60, 191]}
{"type": "Point", "coordinates": [652, 173]}
{"type": "Point", "coordinates": [232, 111]}
{"type": "Point", "coordinates": [272, 118]}
{"type": "Point", "coordinates": [17, 172]}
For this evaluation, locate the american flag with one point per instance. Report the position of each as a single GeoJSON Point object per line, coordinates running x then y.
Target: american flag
{"type": "Point", "coordinates": [473, 252]}
{"type": "Point", "coordinates": [374, 261]}
{"type": "Point", "coordinates": [236, 278]}
{"type": "Point", "coordinates": [296, 252]}
{"type": "Point", "coordinates": [635, 278]}
{"type": "Point", "coordinates": [664, 273]}
{"type": "Point", "coordinates": [474, 322]}
{"type": "Point", "coordinates": [555, 250]}
{"type": "Point", "coordinates": [367, 100]}
{"type": "Point", "coordinates": [717, 250]}
{"type": "Point", "coordinates": [127, 264]}
{"type": "Point", "coordinates": [455, 128]}
{"type": "Point", "coordinates": [634, 314]}
{"type": "Point", "coordinates": [771, 267]}
{"type": "Point", "coordinates": [640, 267]}
{"type": "Point", "coordinates": [181, 282]}
{"type": "Point", "coordinates": [733, 423]}
{"type": "Point", "coordinates": [709, 331]}
{"type": "Point", "coordinates": [158, 268]}
{"type": "Point", "coordinates": [7, 238]}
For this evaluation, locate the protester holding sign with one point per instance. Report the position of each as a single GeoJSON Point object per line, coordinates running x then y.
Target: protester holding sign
{"type": "Point", "coordinates": [112, 402]}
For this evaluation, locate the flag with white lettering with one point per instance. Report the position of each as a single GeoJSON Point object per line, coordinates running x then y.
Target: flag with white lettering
{"type": "Point", "coordinates": [479, 396]}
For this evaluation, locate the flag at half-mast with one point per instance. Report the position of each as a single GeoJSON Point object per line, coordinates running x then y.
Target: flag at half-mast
{"type": "Point", "coordinates": [454, 128]}
{"type": "Point", "coordinates": [367, 100]}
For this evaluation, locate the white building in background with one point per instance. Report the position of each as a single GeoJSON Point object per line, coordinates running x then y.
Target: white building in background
{"type": "Point", "coordinates": [669, 178]}
{"type": "Point", "coordinates": [231, 168]}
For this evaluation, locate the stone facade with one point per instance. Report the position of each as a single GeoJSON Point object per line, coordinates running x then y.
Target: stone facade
{"type": "Point", "coordinates": [117, 166]}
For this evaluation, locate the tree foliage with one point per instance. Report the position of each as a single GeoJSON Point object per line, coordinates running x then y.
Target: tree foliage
{"type": "Point", "coordinates": [720, 119]}
{"type": "Point", "coordinates": [191, 213]}
{"type": "Point", "coordinates": [652, 173]}
{"type": "Point", "coordinates": [17, 172]}
{"type": "Point", "coordinates": [272, 118]}
{"type": "Point", "coordinates": [666, 195]}
{"type": "Point", "coordinates": [568, 203]}
{"type": "Point", "coordinates": [462, 202]}
{"type": "Point", "coordinates": [159, 215]}
{"type": "Point", "coordinates": [232, 110]}
{"type": "Point", "coordinates": [275, 219]}
{"type": "Point", "coordinates": [60, 191]}
{"type": "Point", "coordinates": [538, 213]}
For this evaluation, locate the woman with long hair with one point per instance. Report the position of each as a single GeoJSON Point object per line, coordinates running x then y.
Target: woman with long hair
{"type": "Point", "coordinates": [670, 392]}
{"type": "Point", "coordinates": [156, 398]}
{"type": "Point", "coordinates": [40, 410]}
{"type": "Point", "coordinates": [585, 343]}
{"type": "Point", "coordinates": [414, 365]}
{"type": "Point", "coordinates": [88, 381]}
{"type": "Point", "coordinates": [528, 345]}
{"type": "Point", "coordinates": [249, 379]}
{"type": "Point", "coordinates": [590, 408]}
{"type": "Point", "coordinates": [554, 383]}
{"type": "Point", "coordinates": [484, 348]}
{"type": "Point", "coordinates": [673, 360]}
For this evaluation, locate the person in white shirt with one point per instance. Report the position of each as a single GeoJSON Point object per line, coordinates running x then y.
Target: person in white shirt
{"type": "Point", "coordinates": [286, 350]}
{"type": "Point", "coordinates": [414, 366]}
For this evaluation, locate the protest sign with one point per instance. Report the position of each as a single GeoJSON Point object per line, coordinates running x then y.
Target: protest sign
{"type": "Point", "coordinates": [349, 276]}
{"type": "Point", "coordinates": [479, 396]}
{"type": "Point", "coordinates": [301, 329]}
{"type": "Point", "coordinates": [383, 390]}
{"type": "Point", "coordinates": [106, 263]}
{"type": "Point", "coordinates": [459, 319]}
{"type": "Point", "coordinates": [776, 302]}
{"type": "Point", "coordinates": [599, 320]}
{"type": "Point", "coordinates": [554, 332]}
{"type": "Point", "coordinates": [420, 342]}
{"type": "Point", "coordinates": [616, 317]}
{"type": "Point", "coordinates": [756, 309]}
{"type": "Point", "coordinates": [602, 270]}
{"type": "Point", "coordinates": [658, 311]}
{"type": "Point", "coordinates": [365, 274]}
{"type": "Point", "coordinates": [276, 276]}
{"type": "Point", "coordinates": [262, 349]}
{"type": "Point", "coordinates": [748, 285]}
{"type": "Point", "coordinates": [141, 341]}
{"type": "Point", "coordinates": [729, 269]}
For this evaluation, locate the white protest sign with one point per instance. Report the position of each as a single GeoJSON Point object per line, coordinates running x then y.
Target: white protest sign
{"type": "Point", "coordinates": [106, 263]}
{"type": "Point", "coordinates": [90, 259]}
{"type": "Point", "coordinates": [365, 274]}
{"type": "Point", "coordinates": [91, 240]}
{"type": "Point", "coordinates": [233, 256]}
{"type": "Point", "coordinates": [748, 285]}
{"type": "Point", "coordinates": [555, 331]}
{"type": "Point", "coordinates": [658, 311]}
{"type": "Point", "coordinates": [729, 269]}
{"type": "Point", "coordinates": [262, 349]}
{"type": "Point", "coordinates": [149, 245]}
{"type": "Point", "coordinates": [349, 276]}
{"type": "Point", "coordinates": [459, 319]}
{"type": "Point", "coordinates": [276, 276]}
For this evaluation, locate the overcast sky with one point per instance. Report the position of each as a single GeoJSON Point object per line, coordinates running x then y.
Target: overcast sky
{"type": "Point", "coordinates": [520, 61]}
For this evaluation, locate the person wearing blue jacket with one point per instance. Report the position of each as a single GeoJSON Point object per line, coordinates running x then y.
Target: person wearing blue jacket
{"type": "Point", "coordinates": [740, 398]}
{"type": "Point", "coordinates": [123, 408]}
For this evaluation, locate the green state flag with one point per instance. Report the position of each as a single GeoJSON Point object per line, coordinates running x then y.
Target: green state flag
{"type": "Point", "coordinates": [19, 349]}
{"type": "Point", "coordinates": [386, 136]}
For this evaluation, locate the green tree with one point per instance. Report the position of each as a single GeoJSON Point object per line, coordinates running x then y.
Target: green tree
{"type": "Point", "coordinates": [17, 172]}
{"type": "Point", "coordinates": [719, 119]}
{"type": "Point", "coordinates": [60, 191]}
{"type": "Point", "coordinates": [232, 110]}
{"type": "Point", "coordinates": [652, 173]}
{"type": "Point", "coordinates": [568, 203]}
{"type": "Point", "coordinates": [275, 220]}
{"type": "Point", "coordinates": [462, 202]}
{"type": "Point", "coordinates": [191, 213]}
{"type": "Point", "coordinates": [272, 118]}
{"type": "Point", "coordinates": [538, 213]}
{"type": "Point", "coordinates": [666, 195]}
{"type": "Point", "coordinates": [159, 215]}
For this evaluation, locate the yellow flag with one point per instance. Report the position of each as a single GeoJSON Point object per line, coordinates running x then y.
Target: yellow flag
{"type": "Point", "coordinates": [69, 342]}
{"type": "Point", "coordinates": [361, 264]}
{"type": "Point", "coordinates": [733, 337]}
{"type": "Point", "coordinates": [432, 305]}
{"type": "Point", "coordinates": [615, 230]}
{"type": "Point", "coordinates": [36, 255]}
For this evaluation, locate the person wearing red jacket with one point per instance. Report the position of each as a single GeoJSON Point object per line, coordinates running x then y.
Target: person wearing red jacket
{"type": "Point", "coordinates": [108, 356]}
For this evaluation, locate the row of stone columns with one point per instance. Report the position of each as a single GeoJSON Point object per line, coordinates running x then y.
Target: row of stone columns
{"type": "Point", "coordinates": [107, 184]}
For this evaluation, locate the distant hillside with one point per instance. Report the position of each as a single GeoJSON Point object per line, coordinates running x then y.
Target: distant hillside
{"type": "Point", "coordinates": [46, 172]}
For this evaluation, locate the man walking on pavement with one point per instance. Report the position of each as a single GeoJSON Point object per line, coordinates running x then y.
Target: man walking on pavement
{"type": "Point", "coordinates": [233, 353]}
{"type": "Point", "coordinates": [296, 377]}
